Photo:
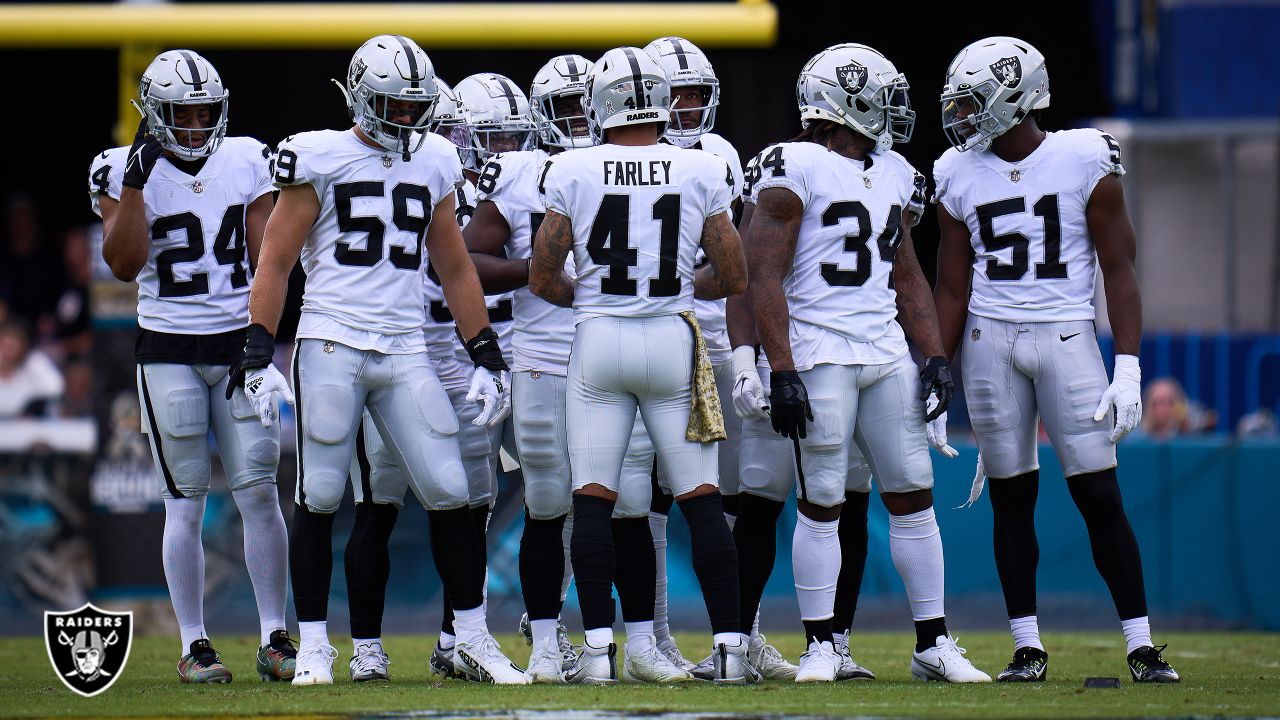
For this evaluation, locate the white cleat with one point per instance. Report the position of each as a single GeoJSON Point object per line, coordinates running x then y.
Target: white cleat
{"type": "Point", "coordinates": [731, 665]}
{"type": "Point", "coordinates": [652, 666]}
{"type": "Point", "coordinates": [594, 666]}
{"type": "Point", "coordinates": [945, 662]}
{"type": "Point", "coordinates": [484, 662]}
{"type": "Point", "coordinates": [819, 664]}
{"type": "Point", "coordinates": [849, 670]}
{"type": "Point", "coordinates": [546, 666]}
{"type": "Point", "coordinates": [315, 665]}
{"type": "Point", "coordinates": [667, 646]}
{"type": "Point", "coordinates": [369, 664]}
{"type": "Point", "coordinates": [568, 651]}
{"type": "Point", "coordinates": [766, 659]}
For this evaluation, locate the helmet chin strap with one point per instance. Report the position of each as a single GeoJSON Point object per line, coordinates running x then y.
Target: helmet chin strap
{"type": "Point", "coordinates": [404, 146]}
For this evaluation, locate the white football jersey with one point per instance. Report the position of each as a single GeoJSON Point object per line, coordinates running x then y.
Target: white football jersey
{"type": "Point", "coordinates": [196, 278]}
{"type": "Point", "coordinates": [840, 288]}
{"type": "Point", "coordinates": [543, 332]}
{"type": "Point", "coordinates": [637, 214]}
{"type": "Point", "coordinates": [711, 313]}
{"type": "Point", "coordinates": [365, 255]}
{"type": "Point", "coordinates": [1033, 258]}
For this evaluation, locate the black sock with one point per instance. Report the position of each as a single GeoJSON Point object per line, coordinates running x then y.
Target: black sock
{"type": "Point", "coordinates": [853, 559]}
{"type": "Point", "coordinates": [1013, 509]}
{"type": "Point", "coordinates": [927, 632]}
{"type": "Point", "coordinates": [818, 631]}
{"type": "Point", "coordinates": [1115, 549]}
{"type": "Point", "coordinates": [594, 560]}
{"type": "Point", "coordinates": [755, 535]}
{"type": "Point", "coordinates": [637, 569]}
{"type": "Point", "coordinates": [368, 566]}
{"type": "Point", "coordinates": [457, 556]}
{"type": "Point", "coordinates": [311, 562]}
{"type": "Point", "coordinates": [480, 519]}
{"type": "Point", "coordinates": [542, 566]}
{"type": "Point", "coordinates": [731, 503]}
{"type": "Point", "coordinates": [660, 501]}
{"type": "Point", "coordinates": [715, 560]}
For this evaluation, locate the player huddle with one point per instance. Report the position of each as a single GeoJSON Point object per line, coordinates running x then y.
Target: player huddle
{"type": "Point", "coordinates": [610, 298]}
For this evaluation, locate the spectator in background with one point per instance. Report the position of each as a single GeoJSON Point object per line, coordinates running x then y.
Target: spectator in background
{"type": "Point", "coordinates": [1167, 413]}
{"type": "Point", "coordinates": [77, 400]}
{"type": "Point", "coordinates": [31, 274]}
{"type": "Point", "coordinates": [1257, 425]}
{"type": "Point", "coordinates": [71, 312]}
{"type": "Point", "coordinates": [29, 381]}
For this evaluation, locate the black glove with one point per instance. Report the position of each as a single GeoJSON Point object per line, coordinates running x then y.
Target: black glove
{"type": "Point", "coordinates": [259, 346]}
{"type": "Point", "coordinates": [788, 403]}
{"type": "Point", "coordinates": [484, 351]}
{"type": "Point", "coordinates": [142, 158]}
{"type": "Point", "coordinates": [935, 378]}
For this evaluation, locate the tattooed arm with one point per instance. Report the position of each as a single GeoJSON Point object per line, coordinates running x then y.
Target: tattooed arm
{"type": "Point", "coordinates": [771, 247]}
{"type": "Point", "coordinates": [725, 273]}
{"type": "Point", "coordinates": [546, 269]}
{"type": "Point", "coordinates": [916, 312]}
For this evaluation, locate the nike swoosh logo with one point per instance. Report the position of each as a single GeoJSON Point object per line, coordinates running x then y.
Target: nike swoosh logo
{"type": "Point", "coordinates": [104, 155]}
{"type": "Point", "coordinates": [940, 668]}
{"type": "Point", "coordinates": [1065, 338]}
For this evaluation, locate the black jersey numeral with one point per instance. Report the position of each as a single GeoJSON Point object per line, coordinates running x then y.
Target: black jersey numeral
{"type": "Point", "coordinates": [887, 243]}
{"type": "Point", "coordinates": [1046, 208]}
{"type": "Point", "coordinates": [228, 249]}
{"type": "Point", "coordinates": [375, 230]}
{"type": "Point", "coordinates": [609, 244]}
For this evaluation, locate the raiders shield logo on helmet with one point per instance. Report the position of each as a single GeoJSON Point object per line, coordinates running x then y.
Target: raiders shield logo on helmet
{"type": "Point", "coordinates": [852, 77]}
{"type": "Point", "coordinates": [1008, 71]}
{"type": "Point", "coordinates": [88, 647]}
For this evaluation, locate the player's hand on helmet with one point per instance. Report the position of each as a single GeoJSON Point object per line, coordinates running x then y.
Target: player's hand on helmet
{"type": "Point", "coordinates": [1125, 393]}
{"type": "Point", "coordinates": [789, 404]}
{"type": "Point", "coordinates": [253, 375]}
{"type": "Point", "coordinates": [936, 429]}
{"type": "Point", "coordinates": [491, 382]}
{"type": "Point", "coordinates": [749, 398]}
{"type": "Point", "coordinates": [142, 158]}
{"type": "Point", "coordinates": [935, 380]}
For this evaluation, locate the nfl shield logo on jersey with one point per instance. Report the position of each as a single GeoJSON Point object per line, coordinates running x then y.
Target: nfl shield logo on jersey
{"type": "Point", "coordinates": [1015, 175]}
{"type": "Point", "coordinates": [88, 647]}
{"type": "Point", "coordinates": [852, 77]}
{"type": "Point", "coordinates": [1008, 71]}
{"type": "Point", "coordinates": [387, 162]}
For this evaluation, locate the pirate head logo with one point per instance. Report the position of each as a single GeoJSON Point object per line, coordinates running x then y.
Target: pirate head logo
{"type": "Point", "coordinates": [356, 72]}
{"type": "Point", "coordinates": [1008, 71]}
{"type": "Point", "coordinates": [88, 647]}
{"type": "Point", "coordinates": [852, 77]}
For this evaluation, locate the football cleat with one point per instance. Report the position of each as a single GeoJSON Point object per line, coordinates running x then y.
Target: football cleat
{"type": "Point", "coordinates": [766, 659]}
{"type": "Point", "coordinates": [1029, 664]}
{"type": "Point", "coordinates": [594, 666]}
{"type": "Point", "coordinates": [667, 646]}
{"type": "Point", "coordinates": [568, 651]}
{"type": "Point", "coordinates": [849, 670]}
{"type": "Point", "coordinates": [730, 665]}
{"type": "Point", "coordinates": [484, 662]}
{"type": "Point", "coordinates": [315, 665]}
{"type": "Point", "coordinates": [369, 664]}
{"type": "Point", "coordinates": [546, 666]}
{"type": "Point", "coordinates": [1146, 666]}
{"type": "Point", "coordinates": [945, 661]}
{"type": "Point", "coordinates": [819, 663]}
{"type": "Point", "coordinates": [276, 659]}
{"type": "Point", "coordinates": [441, 662]}
{"type": "Point", "coordinates": [652, 666]}
{"type": "Point", "coordinates": [202, 665]}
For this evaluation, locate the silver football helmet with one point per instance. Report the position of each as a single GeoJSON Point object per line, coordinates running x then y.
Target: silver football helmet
{"type": "Point", "coordinates": [496, 115]}
{"type": "Point", "coordinates": [391, 92]}
{"type": "Point", "coordinates": [991, 86]}
{"type": "Point", "coordinates": [626, 87]}
{"type": "Point", "coordinates": [687, 67]}
{"type": "Point", "coordinates": [446, 117]}
{"type": "Point", "coordinates": [178, 78]}
{"type": "Point", "coordinates": [555, 99]}
{"type": "Point", "coordinates": [855, 86]}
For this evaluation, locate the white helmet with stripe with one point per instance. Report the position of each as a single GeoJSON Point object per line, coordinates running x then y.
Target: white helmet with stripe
{"type": "Point", "coordinates": [177, 79]}
{"type": "Point", "coordinates": [496, 115]}
{"type": "Point", "coordinates": [388, 74]}
{"type": "Point", "coordinates": [555, 99]}
{"type": "Point", "coordinates": [626, 87]}
{"type": "Point", "coordinates": [687, 67]}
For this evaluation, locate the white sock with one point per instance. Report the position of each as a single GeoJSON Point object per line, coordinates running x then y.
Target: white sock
{"type": "Point", "coordinates": [470, 625]}
{"type": "Point", "coordinates": [376, 643]}
{"type": "Point", "coordinates": [1137, 633]}
{"type": "Point", "coordinates": [544, 633]}
{"type": "Point", "coordinates": [568, 558]}
{"type": "Point", "coordinates": [639, 635]}
{"type": "Point", "coordinates": [915, 543]}
{"type": "Point", "coordinates": [183, 557]}
{"type": "Point", "coordinates": [732, 639]}
{"type": "Point", "coordinates": [1026, 632]}
{"type": "Point", "coordinates": [448, 640]}
{"type": "Point", "coordinates": [815, 561]}
{"type": "Point", "coordinates": [266, 553]}
{"type": "Point", "coordinates": [313, 634]}
{"type": "Point", "coordinates": [600, 637]}
{"type": "Point", "coordinates": [658, 529]}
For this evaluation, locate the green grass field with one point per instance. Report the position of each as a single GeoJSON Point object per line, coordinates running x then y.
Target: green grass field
{"type": "Point", "coordinates": [1224, 675]}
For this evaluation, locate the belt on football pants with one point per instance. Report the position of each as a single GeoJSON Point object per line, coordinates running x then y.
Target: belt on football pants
{"type": "Point", "coordinates": [706, 418]}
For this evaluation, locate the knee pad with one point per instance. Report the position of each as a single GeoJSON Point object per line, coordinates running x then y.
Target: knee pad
{"type": "Point", "coordinates": [327, 411]}
{"type": "Point", "coordinates": [546, 500]}
{"type": "Point", "coordinates": [474, 441]}
{"type": "Point", "coordinates": [439, 414]}
{"type": "Point", "coordinates": [322, 491]}
{"type": "Point", "coordinates": [988, 406]}
{"type": "Point", "coordinates": [187, 414]}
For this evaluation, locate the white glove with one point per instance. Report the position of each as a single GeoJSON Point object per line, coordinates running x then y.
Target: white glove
{"type": "Point", "coordinates": [493, 390]}
{"type": "Point", "coordinates": [936, 429]}
{"type": "Point", "coordinates": [750, 400]}
{"type": "Point", "coordinates": [1125, 393]}
{"type": "Point", "coordinates": [265, 388]}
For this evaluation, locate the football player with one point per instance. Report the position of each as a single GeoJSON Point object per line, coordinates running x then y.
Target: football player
{"type": "Point", "coordinates": [830, 219]}
{"type": "Point", "coordinates": [179, 209]}
{"type": "Point", "coordinates": [633, 213]}
{"type": "Point", "coordinates": [357, 206]}
{"type": "Point", "coordinates": [1027, 213]}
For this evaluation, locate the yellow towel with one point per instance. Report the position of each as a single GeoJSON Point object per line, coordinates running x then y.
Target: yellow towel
{"type": "Point", "coordinates": [706, 418]}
